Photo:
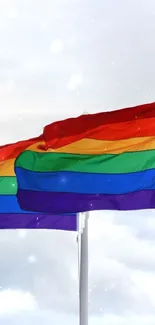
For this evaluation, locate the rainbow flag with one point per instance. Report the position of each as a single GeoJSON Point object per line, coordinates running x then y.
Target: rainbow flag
{"type": "Point", "coordinates": [93, 162]}
{"type": "Point", "coordinates": [11, 215]}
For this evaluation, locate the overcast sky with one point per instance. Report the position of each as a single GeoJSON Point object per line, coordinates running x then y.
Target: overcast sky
{"type": "Point", "coordinates": [59, 58]}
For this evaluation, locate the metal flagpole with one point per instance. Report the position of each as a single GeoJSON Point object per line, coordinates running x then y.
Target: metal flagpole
{"type": "Point", "coordinates": [83, 269]}
{"type": "Point", "coordinates": [83, 274]}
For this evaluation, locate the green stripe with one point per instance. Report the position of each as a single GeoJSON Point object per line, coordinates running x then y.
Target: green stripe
{"type": "Point", "coordinates": [8, 185]}
{"type": "Point", "coordinates": [121, 163]}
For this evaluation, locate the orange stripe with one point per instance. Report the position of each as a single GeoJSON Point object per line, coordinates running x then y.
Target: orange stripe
{"type": "Point", "coordinates": [90, 146]}
{"type": "Point", "coordinates": [7, 167]}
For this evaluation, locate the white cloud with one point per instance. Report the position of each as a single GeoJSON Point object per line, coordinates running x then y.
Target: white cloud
{"type": "Point", "coordinates": [56, 46]}
{"type": "Point", "coordinates": [75, 81]}
{"type": "Point", "coordinates": [42, 87]}
{"type": "Point", "coordinates": [33, 66]}
{"type": "Point", "coordinates": [12, 301]}
{"type": "Point", "coordinates": [7, 87]}
{"type": "Point", "coordinates": [22, 233]}
{"type": "Point", "coordinates": [125, 320]}
{"type": "Point", "coordinates": [32, 259]}
{"type": "Point", "coordinates": [12, 14]}
{"type": "Point", "coordinates": [144, 282]}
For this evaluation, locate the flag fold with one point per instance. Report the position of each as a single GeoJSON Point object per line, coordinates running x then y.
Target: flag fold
{"type": "Point", "coordinates": [103, 161]}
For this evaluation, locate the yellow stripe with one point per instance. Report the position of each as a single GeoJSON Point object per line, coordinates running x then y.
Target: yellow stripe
{"type": "Point", "coordinates": [7, 167]}
{"type": "Point", "coordinates": [90, 146]}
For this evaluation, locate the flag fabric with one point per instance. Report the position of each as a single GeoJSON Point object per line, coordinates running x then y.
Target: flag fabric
{"type": "Point", "coordinates": [93, 126]}
{"type": "Point", "coordinates": [102, 161]}
{"type": "Point", "coordinates": [11, 215]}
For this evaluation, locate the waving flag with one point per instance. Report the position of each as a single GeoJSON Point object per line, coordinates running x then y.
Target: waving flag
{"type": "Point", "coordinates": [11, 215]}
{"type": "Point", "coordinates": [93, 162]}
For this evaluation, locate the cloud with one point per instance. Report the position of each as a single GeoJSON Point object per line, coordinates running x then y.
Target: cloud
{"type": "Point", "coordinates": [7, 87]}
{"type": "Point", "coordinates": [89, 47]}
{"type": "Point", "coordinates": [12, 14]}
{"type": "Point", "coordinates": [49, 274]}
{"type": "Point", "coordinates": [75, 81]}
{"type": "Point", "coordinates": [12, 301]}
{"type": "Point", "coordinates": [56, 46]}
{"type": "Point", "coordinates": [116, 280]}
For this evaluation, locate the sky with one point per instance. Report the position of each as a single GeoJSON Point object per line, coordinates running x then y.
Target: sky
{"type": "Point", "coordinates": [60, 58]}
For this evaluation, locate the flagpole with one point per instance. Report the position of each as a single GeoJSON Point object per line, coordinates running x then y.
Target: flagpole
{"type": "Point", "coordinates": [83, 279]}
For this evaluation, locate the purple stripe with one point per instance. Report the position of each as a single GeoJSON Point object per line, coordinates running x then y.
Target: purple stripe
{"type": "Point", "coordinates": [39, 221]}
{"type": "Point", "coordinates": [72, 202]}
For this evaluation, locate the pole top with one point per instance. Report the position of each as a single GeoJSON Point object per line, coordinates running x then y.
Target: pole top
{"type": "Point", "coordinates": [85, 113]}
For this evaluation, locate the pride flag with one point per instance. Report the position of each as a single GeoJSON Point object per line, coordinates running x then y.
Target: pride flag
{"type": "Point", "coordinates": [93, 162]}
{"type": "Point", "coordinates": [11, 215]}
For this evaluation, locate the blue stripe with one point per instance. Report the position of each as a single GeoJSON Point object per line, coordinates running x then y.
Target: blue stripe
{"type": "Point", "coordinates": [86, 183]}
{"type": "Point", "coordinates": [9, 204]}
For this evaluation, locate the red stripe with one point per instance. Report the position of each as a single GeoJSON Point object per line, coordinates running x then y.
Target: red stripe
{"type": "Point", "coordinates": [127, 130]}
{"type": "Point", "coordinates": [116, 125]}
{"type": "Point", "coordinates": [10, 151]}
